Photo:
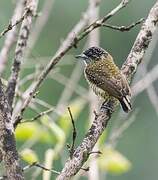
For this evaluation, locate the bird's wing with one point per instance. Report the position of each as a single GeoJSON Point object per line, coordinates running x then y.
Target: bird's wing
{"type": "Point", "coordinates": [113, 83]}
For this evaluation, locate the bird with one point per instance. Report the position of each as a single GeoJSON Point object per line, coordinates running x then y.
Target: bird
{"type": "Point", "coordinates": [104, 76]}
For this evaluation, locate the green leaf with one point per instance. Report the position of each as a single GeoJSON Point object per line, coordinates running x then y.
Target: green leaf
{"type": "Point", "coordinates": [29, 156]}
{"type": "Point", "coordinates": [30, 130]}
{"type": "Point", "coordinates": [113, 161]}
{"type": "Point", "coordinates": [26, 131]}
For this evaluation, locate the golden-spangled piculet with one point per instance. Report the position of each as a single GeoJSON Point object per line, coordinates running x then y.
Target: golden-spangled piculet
{"type": "Point", "coordinates": [104, 76]}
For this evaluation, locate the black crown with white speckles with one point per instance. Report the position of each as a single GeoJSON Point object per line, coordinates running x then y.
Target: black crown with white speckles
{"type": "Point", "coordinates": [95, 52]}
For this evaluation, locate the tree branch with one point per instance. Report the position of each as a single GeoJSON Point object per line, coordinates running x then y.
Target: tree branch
{"type": "Point", "coordinates": [74, 134]}
{"type": "Point", "coordinates": [12, 25]}
{"type": "Point", "coordinates": [37, 116]}
{"type": "Point", "coordinates": [134, 58]}
{"type": "Point", "coordinates": [7, 140]}
{"type": "Point", "coordinates": [30, 10]}
{"type": "Point", "coordinates": [11, 35]}
{"type": "Point", "coordinates": [124, 28]}
{"type": "Point", "coordinates": [36, 164]}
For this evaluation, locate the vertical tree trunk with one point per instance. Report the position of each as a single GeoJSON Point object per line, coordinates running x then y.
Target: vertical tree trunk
{"type": "Point", "coordinates": [7, 141]}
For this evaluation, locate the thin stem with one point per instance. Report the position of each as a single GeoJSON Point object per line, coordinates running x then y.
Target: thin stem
{"type": "Point", "coordinates": [74, 134]}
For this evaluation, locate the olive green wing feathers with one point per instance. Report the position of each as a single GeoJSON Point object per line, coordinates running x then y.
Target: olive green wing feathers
{"type": "Point", "coordinates": [110, 79]}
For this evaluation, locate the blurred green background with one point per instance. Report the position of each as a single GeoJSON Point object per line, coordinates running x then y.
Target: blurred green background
{"type": "Point", "coordinates": [139, 143]}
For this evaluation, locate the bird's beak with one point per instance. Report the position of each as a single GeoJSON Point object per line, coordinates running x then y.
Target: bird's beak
{"type": "Point", "coordinates": [81, 56]}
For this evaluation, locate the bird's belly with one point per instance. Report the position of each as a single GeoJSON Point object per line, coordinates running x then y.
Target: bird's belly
{"type": "Point", "coordinates": [98, 91]}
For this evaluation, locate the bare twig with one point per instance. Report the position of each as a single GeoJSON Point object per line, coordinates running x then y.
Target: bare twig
{"type": "Point", "coordinates": [11, 26]}
{"type": "Point", "coordinates": [134, 58]}
{"type": "Point", "coordinates": [35, 164]}
{"type": "Point", "coordinates": [37, 116]}
{"type": "Point", "coordinates": [20, 47]}
{"type": "Point", "coordinates": [95, 152]}
{"type": "Point", "coordinates": [85, 169]}
{"type": "Point", "coordinates": [11, 35]}
{"type": "Point", "coordinates": [93, 40]}
{"type": "Point", "coordinates": [99, 22]}
{"type": "Point", "coordinates": [73, 38]}
{"type": "Point", "coordinates": [124, 28]}
{"type": "Point", "coordinates": [74, 134]}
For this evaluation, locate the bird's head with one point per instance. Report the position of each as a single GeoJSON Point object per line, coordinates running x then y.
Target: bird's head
{"type": "Point", "coordinates": [92, 54]}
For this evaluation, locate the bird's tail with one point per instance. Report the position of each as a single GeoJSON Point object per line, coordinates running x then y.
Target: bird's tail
{"type": "Point", "coordinates": [125, 103]}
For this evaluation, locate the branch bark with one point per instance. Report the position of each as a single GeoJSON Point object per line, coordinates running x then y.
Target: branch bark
{"type": "Point", "coordinates": [30, 10]}
{"type": "Point", "coordinates": [134, 58]}
{"type": "Point", "coordinates": [7, 140]}
{"type": "Point", "coordinates": [11, 35]}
